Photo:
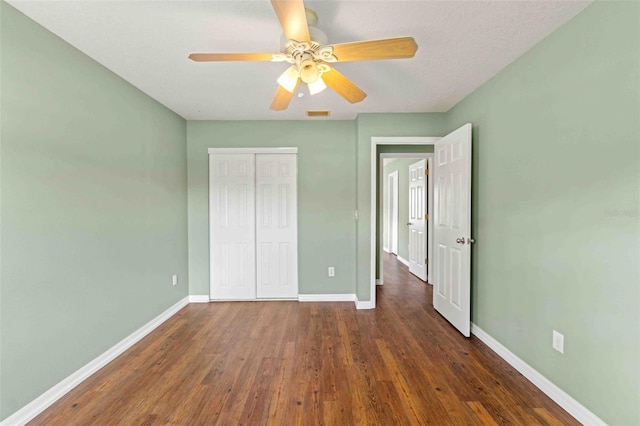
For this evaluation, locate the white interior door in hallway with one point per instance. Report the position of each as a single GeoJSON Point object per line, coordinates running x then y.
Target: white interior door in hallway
{"type": "Point", "coordinates": [418, 220]}
{"type": "Point", "coordinates": [393, 212]}
{"type": "Point", "coordinates": [253, 225]}
{"type": "Point", "coordinates": [452, 228]}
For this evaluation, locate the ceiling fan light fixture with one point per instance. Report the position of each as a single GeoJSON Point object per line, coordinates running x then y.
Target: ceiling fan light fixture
{"type": "Point", "coordinates": [289, 79]}
{"type": "Point", "coordinates": [305, 48]}
{"type": "Point", "coordinates": [317, 86]}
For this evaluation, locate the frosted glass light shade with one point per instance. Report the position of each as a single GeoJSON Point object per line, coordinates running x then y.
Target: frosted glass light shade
{"type": "Point", "coordinates": [317, 86]}
{"type": "Point", "coordinates": [289, 79]}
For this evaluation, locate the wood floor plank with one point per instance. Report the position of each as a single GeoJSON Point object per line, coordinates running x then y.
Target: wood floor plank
{"type": "Point", "coordinates": [482, 414]}
{"type": "Point", "coordinates": [290, 363]}
{"type": "Point", "coordinates": [548, 418]}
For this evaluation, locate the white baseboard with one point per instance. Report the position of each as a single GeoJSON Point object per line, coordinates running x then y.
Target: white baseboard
{"type": "Point", "coordinates": [403, 260]}
{"type": "Point", "coordinates": [38, 405]}
{"type": "Point", "coordinates": [379, 281]}
{"type": "Point", "coordinates": [560, 397]}
{"type": "Point", "coordinates": [336, 298]}
{"type": "Point", "coordinates": [326, 297]}
{"type": "Point", "coordinates": [364, 304]}
{"type": "Point", "coordinates": [199, 298]}
{"type": "Point", "coordinates": [386, 249]}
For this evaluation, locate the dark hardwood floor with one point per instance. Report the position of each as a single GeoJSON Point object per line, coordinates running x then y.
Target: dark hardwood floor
{"type": "Point", "coordinates": [290, 363]}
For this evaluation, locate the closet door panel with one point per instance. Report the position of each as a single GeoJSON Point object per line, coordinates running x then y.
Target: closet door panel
{"type": "Point", "coordinates": [276, 226]}
{"type": "Point", "coordinates": [232, 226]}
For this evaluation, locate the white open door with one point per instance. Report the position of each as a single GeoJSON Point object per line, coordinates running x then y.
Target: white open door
{"type": "Point", "coordinates": [232, 227]}
{"type": "Point", "coordinates": [452, 228]}
{"type": "Point", "coordinates": [417, 220]}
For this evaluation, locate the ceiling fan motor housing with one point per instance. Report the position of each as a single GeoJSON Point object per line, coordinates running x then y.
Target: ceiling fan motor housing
{"type": "Point", "coordinates": [308, 57]}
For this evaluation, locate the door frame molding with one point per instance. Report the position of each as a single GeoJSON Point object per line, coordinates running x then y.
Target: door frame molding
{"type": "Point", "coordinates": [375, 141]}
{"type": "Point", "coordinates": [274, 150]}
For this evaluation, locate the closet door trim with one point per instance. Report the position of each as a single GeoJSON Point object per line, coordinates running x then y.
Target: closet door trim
{"type": "Point", "coordinates": [276, 150]}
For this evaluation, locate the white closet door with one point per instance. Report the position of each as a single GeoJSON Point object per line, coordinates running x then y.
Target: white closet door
{"type": "Point", "coordinates": [276, 226]}
{"type": "Point", "coordinates": [232, 226]}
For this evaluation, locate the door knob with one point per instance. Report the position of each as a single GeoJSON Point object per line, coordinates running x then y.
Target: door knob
{"type": "Point", "coordinates": [470, 241]}
{"type": "Point", "coordinates": [409, 223]}
{"type": "Point", "coordinates": [460, 240]}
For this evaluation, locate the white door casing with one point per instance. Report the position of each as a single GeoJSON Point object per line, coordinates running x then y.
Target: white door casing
{"type": "Point", "coordinates": [452, 228]}
{"type": "Point", "coordinates": [232, 227]}
{"type": "Point", "coordinates": [276, 226]}
{"type": "Point", "coordinates": [417, 221]}
{"type": "Point", "coordinates": [393, 212]}
{"type": "Point", "coordinates": [430, 221]}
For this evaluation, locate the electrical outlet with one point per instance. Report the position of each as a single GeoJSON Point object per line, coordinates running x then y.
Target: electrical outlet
{"type": "Point", "coordinates": [558, 342]}
{"type": "Point", "coordinates": [332, 271]}
{"type": "Point", "coordinates": [175, 280]}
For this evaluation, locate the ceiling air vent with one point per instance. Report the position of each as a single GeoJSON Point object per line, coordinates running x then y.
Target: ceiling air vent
{"type": "Point", "coordinates": [318, 113]}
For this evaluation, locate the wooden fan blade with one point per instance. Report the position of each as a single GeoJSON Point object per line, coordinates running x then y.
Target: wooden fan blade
{"type": "Point", "coordinates": [343, 86]}
{"type": "Point", "coordinates": [283, 97]}
{"type": "Point", "coordinates": [391, 48]}
{"type": "Point", "coordinates": [215, 57]}
{"type": "Point", "coordinates": [293, 19]}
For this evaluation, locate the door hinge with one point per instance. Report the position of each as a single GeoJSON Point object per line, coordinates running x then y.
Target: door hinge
{"type": "Point", "coordinates": [426, 217]}
{"type": "Point", "coordinates": [426, 172]}
{"type": "Point", "coordinates": [426, 261]}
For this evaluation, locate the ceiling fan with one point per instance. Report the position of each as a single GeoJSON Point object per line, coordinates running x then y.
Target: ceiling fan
{"type": "Point", "coordinates": [310, 58]}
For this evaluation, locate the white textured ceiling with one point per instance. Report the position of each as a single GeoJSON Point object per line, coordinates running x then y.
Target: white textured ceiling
{"type": "Point", "coordinates": [462, 44]}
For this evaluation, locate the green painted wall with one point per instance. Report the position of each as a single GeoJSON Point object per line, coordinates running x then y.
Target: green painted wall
{"type": "Point", "coordinates": [326, 194]}
{"type": "Point", "coordinates": [556, 188]}
{"type": "Point", "coordinates": [93, 180]}
{"type": "Point", "coordinates": [401, 165]}
{"type": "Point", "coordinates": [368, 126]}
{"type": "Point", "coordinates": [94, 217]}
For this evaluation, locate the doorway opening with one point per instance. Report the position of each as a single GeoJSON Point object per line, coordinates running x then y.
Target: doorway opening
{"type": "Point", "coordinates": [404, 208]}
{"type": "Point", "coordinates": [451, 222]}
{"type": "Point", "coordinates": [376, 246]}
